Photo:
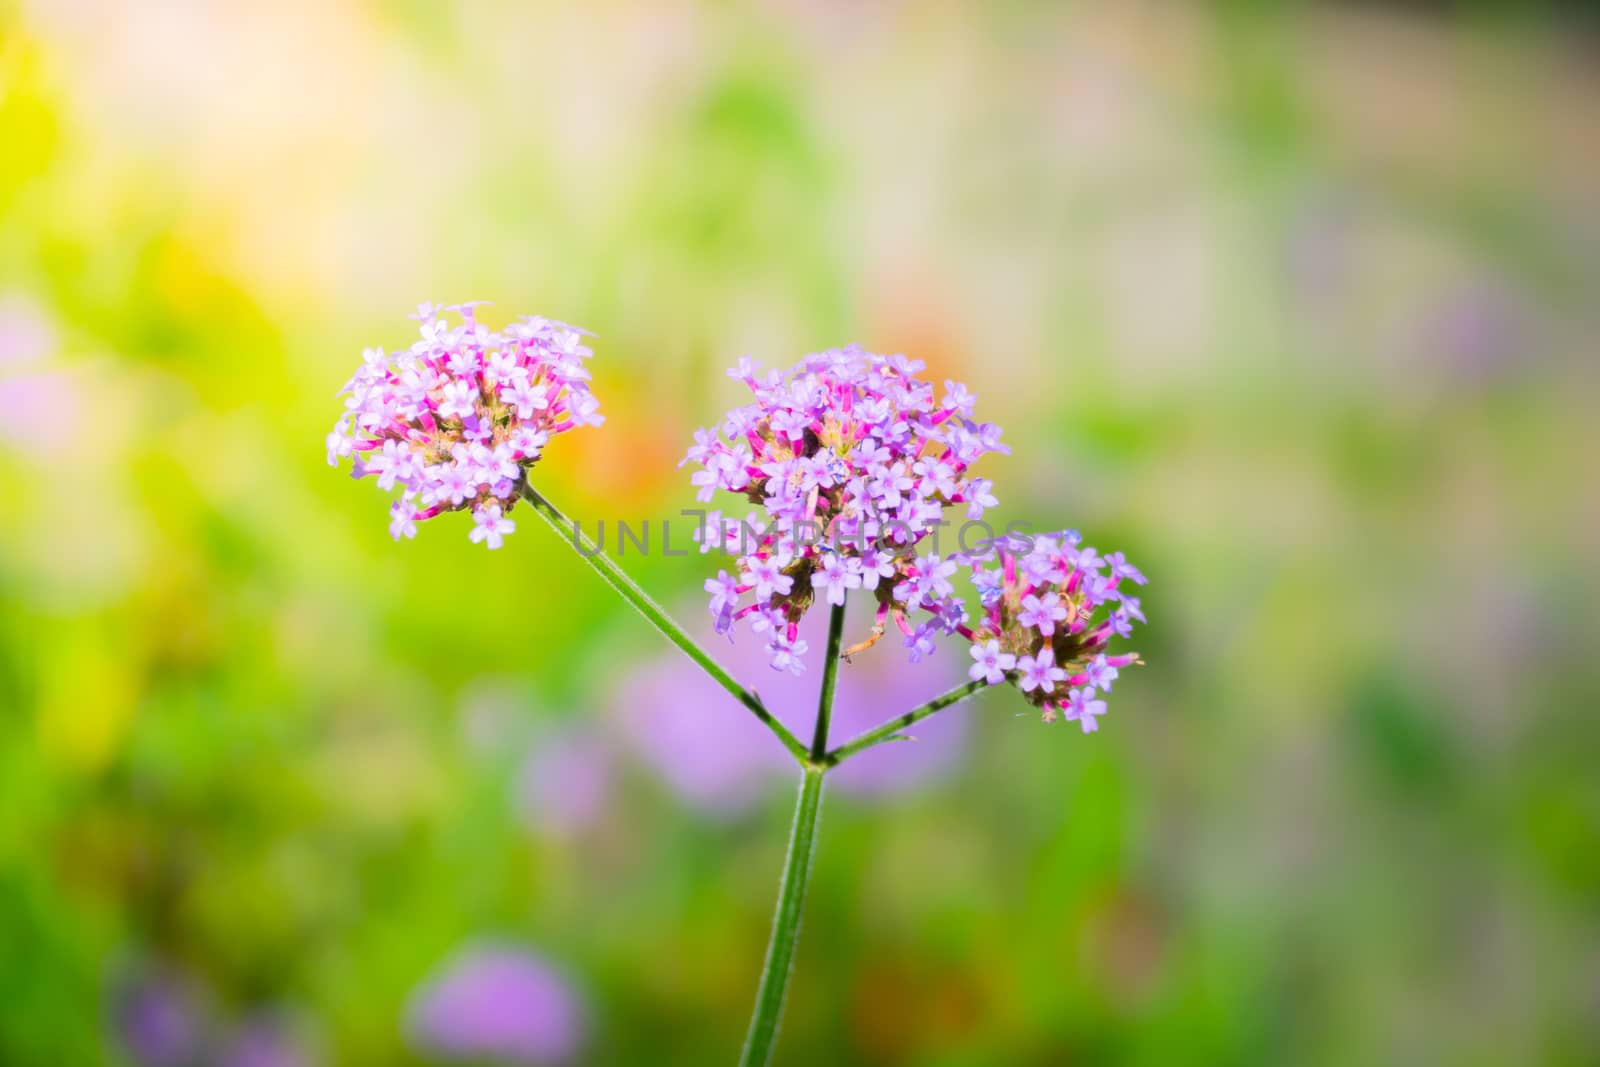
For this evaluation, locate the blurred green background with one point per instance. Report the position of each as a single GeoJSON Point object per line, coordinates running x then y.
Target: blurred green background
{"type": "Point", "coordinates": [1297, 305]}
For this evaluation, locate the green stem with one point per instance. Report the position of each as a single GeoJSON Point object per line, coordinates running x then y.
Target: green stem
{"type": "Point", "coordinates": [642, 602]}
{"type": "Point", "coordinates": [830, 676]}
{"type": "Point", "coordinates": [888, 730]}
{"type": "Point", "coordinates": [774, 989]}
{"type": "Point", "coordinates": [786, 926]}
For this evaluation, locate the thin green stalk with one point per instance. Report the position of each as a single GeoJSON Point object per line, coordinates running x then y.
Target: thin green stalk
{"type": "Point", "coordinates": [830, 676]}
{"type": "Point", "coordinates": [888, 730]}
{"type": "Point", "coordinates": [774, 989]}
{"type": "Point", "coordinates": [786, 926]}
{"type": "Point", "coordinates": [568, 531]}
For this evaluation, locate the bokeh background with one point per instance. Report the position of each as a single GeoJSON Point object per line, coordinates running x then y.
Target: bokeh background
{"type": "Point", "coordinates": [1295, 304]}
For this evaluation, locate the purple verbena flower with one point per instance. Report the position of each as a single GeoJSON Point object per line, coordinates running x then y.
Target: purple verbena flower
{"type": "Point", "coordinates": [490, 526]}
{"type": "Point", "coordinates": [1100, 673]}
{"type": "Point", "coordinates": [852, 461]}
{"type": "Point", "coordinates": [725, 591]}
{"type": "Point", "coordinates": [456, 420]}
{"type": "Point", "coordinates": [1042, 613]}
{"type": "Point", "coordinates": [991, 664]}
{"type": "Point", "coordinates": [787, 654]}
{"type": "Point", "coordinates": [1081, 709]}
{"type": "Point", "coordinates": [834, 575]}
{"type": "Point", "coordinates": [921, 643]}
{"type": "Point", "coordinates": [1039, 672]}
{"type": "Point", "coordinates": [1121, 568]}
{"type": "Point", "coordinates": [1047, 603]}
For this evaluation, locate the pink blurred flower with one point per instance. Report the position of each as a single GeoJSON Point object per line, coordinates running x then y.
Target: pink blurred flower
{"type": "Point", "coordinates": [719, 761]}
{"type": "Point", "coordinates": [564, 784]}
{"type": "Point", "coordinates": [35, 410]}
{"type": "Point", "coordinates": [265, 1041]}
{"type": "Point", "coordinates": [26, 332]}
{"type": "Point", "coordinates": [160, 1017]}
{"type": "Point", "coordinates": [498, 1003]}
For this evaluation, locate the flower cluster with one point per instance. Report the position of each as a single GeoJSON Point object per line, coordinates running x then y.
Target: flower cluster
{"type": "Point", "coordinates": [456, 419]}
{"type": "Point", "coordinates": [853, 461]}
{"type": "Point", "coordinates": [1050, 607]}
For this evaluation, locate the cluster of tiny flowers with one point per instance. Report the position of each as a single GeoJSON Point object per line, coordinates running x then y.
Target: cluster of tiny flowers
{"type": "Point", "coordinates": [1050, 607]}
{"type": "Point", "coordinates": [853, 461]}
{"type": "Point", "coordinates": [456, 419]}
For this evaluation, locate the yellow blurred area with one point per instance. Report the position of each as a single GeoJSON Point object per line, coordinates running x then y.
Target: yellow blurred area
{"type": "Point", "coordinates": [85, 705]}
